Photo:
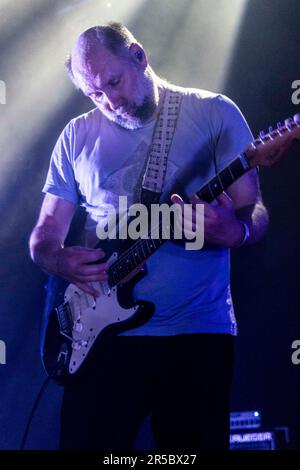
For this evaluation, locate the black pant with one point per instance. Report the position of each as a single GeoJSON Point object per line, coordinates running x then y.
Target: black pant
{"type": "Point", "coordinates": [184, 380]}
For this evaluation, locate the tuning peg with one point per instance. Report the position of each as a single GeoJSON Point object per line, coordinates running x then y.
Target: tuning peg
{"type": "Point", "coordinates": [271, 133]}
{"type": "Point", "coordinates": [297, 119]}
{"type": "Point", "coordinates": [279, 126]}
{"type": "Point", "coordinates": [255, 143]}
{"type": "Point", "coordinates": [262, 135]}
{"type": "Point", "coordinates": [288, 123]}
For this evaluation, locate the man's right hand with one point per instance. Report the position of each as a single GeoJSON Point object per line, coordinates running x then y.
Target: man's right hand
{"type": "Point", "coordinates": [76, 264]}
{"type": "Point", "coordinates": [80, 266]}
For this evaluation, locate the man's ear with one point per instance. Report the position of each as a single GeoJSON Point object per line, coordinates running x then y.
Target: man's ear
{"type": "Point", "coordinates": [138, 55]}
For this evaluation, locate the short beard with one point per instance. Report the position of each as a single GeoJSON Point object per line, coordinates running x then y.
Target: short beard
{"type": "Point", "coordinates": [141, 114]}
{"type": "Point", "coordinates": [138, 119]}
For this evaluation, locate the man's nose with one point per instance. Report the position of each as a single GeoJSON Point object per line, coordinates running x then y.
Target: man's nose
{"type": "Point", "coordinates": [114, 105]}
{"type": "Point", "coordinates": [115, 101]}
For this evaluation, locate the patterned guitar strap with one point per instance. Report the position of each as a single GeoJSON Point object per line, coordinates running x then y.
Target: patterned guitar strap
{"type": "Point", "coordinates": [156, 167]}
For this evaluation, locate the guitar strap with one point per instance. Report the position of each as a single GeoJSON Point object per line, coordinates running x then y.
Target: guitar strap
{"type": "Point", "coordinates": [156, 167]}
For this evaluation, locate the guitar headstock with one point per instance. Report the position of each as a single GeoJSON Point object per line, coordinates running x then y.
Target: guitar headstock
{"type": "Point", "coordinates": [270, 147]}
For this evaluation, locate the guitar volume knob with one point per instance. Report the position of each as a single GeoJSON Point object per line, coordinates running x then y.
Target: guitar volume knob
{"type": "Point", "coordinates": [78, 327]}
{"type": "Point", "coordinates": [76, 345]}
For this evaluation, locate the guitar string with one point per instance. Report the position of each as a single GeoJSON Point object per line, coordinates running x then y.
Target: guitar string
{"type": "Point", "coordinates": [141, 242]}
{"type": "Point", "coordinates": [137, 245]}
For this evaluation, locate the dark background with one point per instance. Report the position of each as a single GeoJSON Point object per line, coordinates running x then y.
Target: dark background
{"type": "Point", "coordinates": [265, 277]}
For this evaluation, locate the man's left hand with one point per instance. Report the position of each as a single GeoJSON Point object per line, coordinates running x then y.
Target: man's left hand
{"type": "Point", "coordinates": [221, 226]}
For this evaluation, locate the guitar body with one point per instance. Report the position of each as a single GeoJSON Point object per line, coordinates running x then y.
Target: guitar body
{"type": "Point", "coordinates": [75, 322]}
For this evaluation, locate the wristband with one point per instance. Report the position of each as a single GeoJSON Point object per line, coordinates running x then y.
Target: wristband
{"type": "Point", "coordinates": [246, 234]}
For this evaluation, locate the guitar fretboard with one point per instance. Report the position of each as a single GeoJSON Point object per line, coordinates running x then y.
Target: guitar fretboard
{"type": "Point", "coordinates": [133, 257]}
{"type": "Point", "coordinates": [224, 179]}
{"type": "Point", "coordinates": [143, 248]}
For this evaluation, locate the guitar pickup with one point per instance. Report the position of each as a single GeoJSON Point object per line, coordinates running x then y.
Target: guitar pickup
{"type": "Point", "coordinates": [64, 319]}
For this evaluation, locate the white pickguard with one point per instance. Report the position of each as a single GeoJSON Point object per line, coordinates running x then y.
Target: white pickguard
{"type": "Point", "coordinates": [91, 316]}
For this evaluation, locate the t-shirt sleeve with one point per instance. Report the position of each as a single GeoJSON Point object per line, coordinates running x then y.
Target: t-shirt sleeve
{"type": "Point", "coordinates": [232, 134]}
{"type": "Point", "coordinates": [60, 179]}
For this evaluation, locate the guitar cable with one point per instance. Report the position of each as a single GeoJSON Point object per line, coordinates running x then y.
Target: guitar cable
{"type": "Point", "coordinates": [60, 361]}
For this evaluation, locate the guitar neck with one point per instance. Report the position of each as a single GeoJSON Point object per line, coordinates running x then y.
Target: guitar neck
{"type": "Point", "coordinates": [143, 248]}
{"type": "Point", "coordinates": [224, 179]}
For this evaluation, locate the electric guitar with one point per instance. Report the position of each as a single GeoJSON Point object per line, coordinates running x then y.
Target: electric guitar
{"type": "Point", "coordinates": [75, 321]}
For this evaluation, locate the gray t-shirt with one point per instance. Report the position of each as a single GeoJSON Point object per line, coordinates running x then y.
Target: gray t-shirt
{"type": "Point", "coordinates": [95, 161]}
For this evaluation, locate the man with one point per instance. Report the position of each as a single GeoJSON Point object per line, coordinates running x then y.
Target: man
{"type": "Point", "coordinates": [178, 365]}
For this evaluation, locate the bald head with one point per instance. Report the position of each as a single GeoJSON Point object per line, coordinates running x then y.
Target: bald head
{"type": "Point", "coordinates": [114, 37]}
{"type": "Point", "coordinates": [111, 68]}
